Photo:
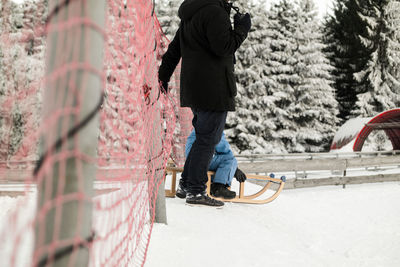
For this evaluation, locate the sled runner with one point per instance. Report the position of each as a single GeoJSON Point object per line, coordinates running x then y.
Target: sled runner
{"type": "Point", "coordinates": [241, 197]}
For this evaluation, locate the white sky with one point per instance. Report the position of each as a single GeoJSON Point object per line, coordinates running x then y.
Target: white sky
{"type": "Point", "coordinates": [324, 6]}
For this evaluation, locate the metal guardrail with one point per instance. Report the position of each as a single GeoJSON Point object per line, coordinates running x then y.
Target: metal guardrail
{"type": "Point", "coordinates": [316, 161]}
{"type": "Point", "coordinates": [329, 155]}
{"type": "Point", "coordinates": [334, 165]}
{"type": "Point", "coordinates": [301, 165]}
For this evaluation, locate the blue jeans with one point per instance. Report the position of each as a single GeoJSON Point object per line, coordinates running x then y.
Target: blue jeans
{"type": "Point", "coordinates": [223, 163]}
{"type": "Point", "coordinates": [224, 168]}
{"type": "Point", "coordinates": [209, 126]}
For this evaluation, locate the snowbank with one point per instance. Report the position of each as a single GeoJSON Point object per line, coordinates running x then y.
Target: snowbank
{"type": "Point", "coordinates": [325, 226]}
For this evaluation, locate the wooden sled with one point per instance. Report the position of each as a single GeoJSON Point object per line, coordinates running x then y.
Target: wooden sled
{"type": "Point", "coordinates": [241, 197]}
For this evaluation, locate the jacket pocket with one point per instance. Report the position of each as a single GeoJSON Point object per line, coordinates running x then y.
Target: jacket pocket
{"type": "Point", "coordinates": [230, 77]}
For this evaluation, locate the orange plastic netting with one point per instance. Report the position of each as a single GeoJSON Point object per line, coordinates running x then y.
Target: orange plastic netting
{"type": "Point", "coordinates": [138, 129]}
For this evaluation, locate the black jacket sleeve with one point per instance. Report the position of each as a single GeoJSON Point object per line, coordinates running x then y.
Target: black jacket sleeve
{"type": "Point", "coordinates": [223, 39]}
{"type": "Point", "coordinates": [170, 59]}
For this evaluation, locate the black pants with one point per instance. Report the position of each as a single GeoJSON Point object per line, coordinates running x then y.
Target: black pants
{"type": "Point", "coordinates": [208, 126]}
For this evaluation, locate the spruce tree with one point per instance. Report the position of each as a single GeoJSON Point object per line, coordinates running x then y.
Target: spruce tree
{"type": "Point", "coordinates": [281, 72]}
{"type": "Point", "coordinates": [167, 14]}
{"type": "Point", "coordinates": [314, 110]}
{"type": "Point", "coordinates": [285, 101]}
{"type": "Point", "coordinates": [382, 71]}
{"type": "Point", "coordinates": [249, 129]}
{"type": "Point", "coordinates": [346, 52]}
{"type": "Point", "coordinates": [21, 69]}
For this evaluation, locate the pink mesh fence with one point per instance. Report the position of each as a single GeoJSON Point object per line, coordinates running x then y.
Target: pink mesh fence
{"type": "Point", "coordinates": [79, 203]}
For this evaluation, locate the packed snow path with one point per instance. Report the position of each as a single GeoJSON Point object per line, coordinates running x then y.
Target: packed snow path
{"type": "Point", "coordinates": [321, 227]}
{"type": "Point", "coordinates": [325, 226]}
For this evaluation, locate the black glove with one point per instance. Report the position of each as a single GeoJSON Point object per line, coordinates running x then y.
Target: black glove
{"type": "Point", "coordinates": [242, 22]}
{"type": "Point", "coordinates": [236, 19]}
{"type": "Point", "coordinates": [164, 86]}
{"type": "Point", "coordinates": [240, 176]}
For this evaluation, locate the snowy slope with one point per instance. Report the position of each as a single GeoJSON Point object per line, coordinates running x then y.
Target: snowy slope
{"type": "Point", "coordinates": [321, 227]}
{"type": "Point", "coordinates": [325, 226]}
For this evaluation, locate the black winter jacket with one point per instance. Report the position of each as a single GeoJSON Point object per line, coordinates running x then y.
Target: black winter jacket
{"type": "Point", "coordinates": [206, 43]}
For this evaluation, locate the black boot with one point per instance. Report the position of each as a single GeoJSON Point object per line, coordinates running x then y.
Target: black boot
{"type": "Point", "coordinates": [181, 191]}
{"type": "Point", "coordinates": [202, 199]}
{"type": "Point", "coordinates": [221, 190]}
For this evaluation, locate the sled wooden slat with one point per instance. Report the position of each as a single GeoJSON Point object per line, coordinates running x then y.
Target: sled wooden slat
{"type": "Point", "coordinates": [209, 174]}
{"type": "Point", "coordinates": [254, 201]}
{"type": "Point", "coordinates": [241, 198]}
{"type": "Point", "coordinates": [263, 177]}
{"type": "Point", "coordinates": [171, 192]}
{"type": "Point", "coordinates": [262, 191]}
{"type": "Point", "coordinates": [241, 190]}
{"type": "Point", "coordinates": [250, 199]}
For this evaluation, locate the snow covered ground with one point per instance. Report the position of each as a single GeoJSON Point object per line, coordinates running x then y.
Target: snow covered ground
{"type": "Point", "coordinates": [324, 226]}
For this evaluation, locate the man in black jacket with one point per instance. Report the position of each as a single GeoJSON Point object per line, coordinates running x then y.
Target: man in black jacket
{"type": "Point", "coordinates": [206, 43]}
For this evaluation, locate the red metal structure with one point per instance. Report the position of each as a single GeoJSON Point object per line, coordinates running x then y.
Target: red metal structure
{"type": "Point", "coordinates": [388, 121]}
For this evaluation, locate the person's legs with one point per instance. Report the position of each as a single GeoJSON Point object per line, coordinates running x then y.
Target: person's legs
{"type": "Point", "coordinates": [184, 176]}
{"type": "Point", "coordinates": [209, 126]}
{"type": "Point", "coordinates": [224, 167]}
